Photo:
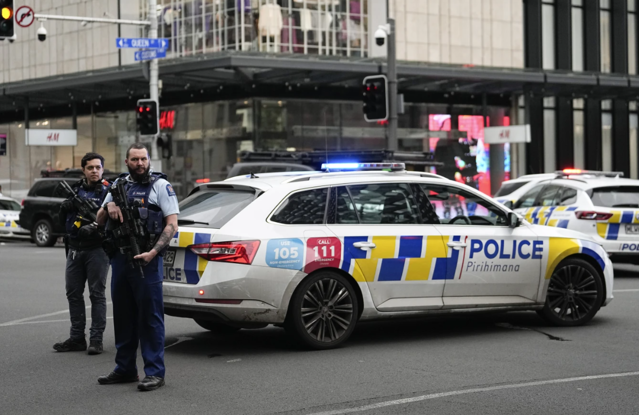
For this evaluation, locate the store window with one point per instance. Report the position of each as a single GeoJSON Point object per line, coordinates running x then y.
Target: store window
{"type": "Point", "coordinates": [606, 135]}
{"type": "Point", "coordinates": [577, 35]}
{"type": "Point", "coordinates": [548, 34]}
{"type": "Point", "coordinates": [605, 36]}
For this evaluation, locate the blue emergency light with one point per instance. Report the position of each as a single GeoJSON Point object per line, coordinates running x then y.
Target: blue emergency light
{"type": "Point", "coordinates": [363, 166]}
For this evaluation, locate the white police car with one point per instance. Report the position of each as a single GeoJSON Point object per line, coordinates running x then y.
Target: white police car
{"type": "Point", "coordinates": [511, 190]}
{"type": "Point", "coordinates": [9, 215]}
{"type": "Point", "coordinates": [603, 205]}
{"type": "Point", "coordinates": [316, 252]}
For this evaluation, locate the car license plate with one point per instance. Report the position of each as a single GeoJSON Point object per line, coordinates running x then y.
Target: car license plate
{"type": "Point", "coordinates": [632, 229]}
{"type": "Point", "coordinates": [169, 257]}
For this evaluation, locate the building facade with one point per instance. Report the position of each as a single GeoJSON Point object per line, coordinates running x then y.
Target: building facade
{"type": "Point", "coordinates": [276, 75]}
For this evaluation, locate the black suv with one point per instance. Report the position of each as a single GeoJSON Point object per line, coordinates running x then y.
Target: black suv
{"type": "Point", "coordinates": [40, 210]}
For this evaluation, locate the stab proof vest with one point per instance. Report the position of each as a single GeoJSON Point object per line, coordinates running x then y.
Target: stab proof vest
{"type": "Point", "coordinates": [96, 194]}
{"type": "Point", "coordinates": [150, 214]}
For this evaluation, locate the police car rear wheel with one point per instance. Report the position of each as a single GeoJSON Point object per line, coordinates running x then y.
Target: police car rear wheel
{"type": "Point", "coordinates": [575, 294]}
{"type": "Point", "coordinates": [323, 311]}
{"type": "Point", "coordinates": [215, 327]}
{"type": "Point", "coordinates": [43, 233]}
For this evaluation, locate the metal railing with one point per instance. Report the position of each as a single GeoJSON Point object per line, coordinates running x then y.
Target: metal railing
{"type": "Point", "coordinates": [314, 27]}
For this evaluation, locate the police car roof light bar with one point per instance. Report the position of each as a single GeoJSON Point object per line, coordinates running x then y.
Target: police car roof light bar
{"type": "Point", "coordinates": [363, 166]}
{"type": "Point", "coordinates": [576, 172]}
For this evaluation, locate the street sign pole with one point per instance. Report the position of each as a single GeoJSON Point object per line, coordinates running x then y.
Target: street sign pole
{"type": "Point", "coordinates": [153, 79]}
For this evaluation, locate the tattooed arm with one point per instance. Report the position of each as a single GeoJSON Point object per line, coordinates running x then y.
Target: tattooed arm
{"type": "Point", "coordinates": [167, 234]}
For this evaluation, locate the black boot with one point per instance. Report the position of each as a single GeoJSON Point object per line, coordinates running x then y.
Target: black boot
{"type": "Point", "coordinates": [151, 383]}
{"type": "Point", "coordinates": [71, 345]}
{"type": "Point", "coordinates": [115, 377]}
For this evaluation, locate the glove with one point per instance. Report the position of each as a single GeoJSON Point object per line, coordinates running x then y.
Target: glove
{"type": "Point", "coordinates": [88, 231]}
{"type": "Point", "coordinates": [66, 206]}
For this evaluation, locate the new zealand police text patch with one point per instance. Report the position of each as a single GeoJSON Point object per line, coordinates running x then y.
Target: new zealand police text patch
{"type": "Point", "coordinates": [169, 190]}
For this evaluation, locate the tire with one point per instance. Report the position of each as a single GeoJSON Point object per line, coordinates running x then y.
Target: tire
{"type": "Point", "coordinates": [42, 233]}
{"type": "Point", "coordinates": [215, 327]}
{"type": "Point", "coordinates": [323, 311]}
{"type": "Point", "coordinates": [575, 294]}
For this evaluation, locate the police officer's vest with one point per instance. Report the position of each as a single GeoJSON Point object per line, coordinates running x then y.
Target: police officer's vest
{"type": "Point", "coordinates": [97, 194]}
{"type": "Point", "coordinates": [150, 214]}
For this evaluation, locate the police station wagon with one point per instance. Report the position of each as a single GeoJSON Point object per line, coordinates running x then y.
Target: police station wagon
{"type": "Point", "coordinates": [317, 252]}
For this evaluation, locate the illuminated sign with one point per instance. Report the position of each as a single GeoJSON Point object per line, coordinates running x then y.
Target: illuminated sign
{"type": "Point", "coordinates": [167, 120]}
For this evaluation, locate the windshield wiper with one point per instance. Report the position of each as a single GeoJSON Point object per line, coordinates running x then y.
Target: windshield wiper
{"type": "Point", "coordinates": [630, 205]}
{"type": "Point", "coordinates": [190, 222]}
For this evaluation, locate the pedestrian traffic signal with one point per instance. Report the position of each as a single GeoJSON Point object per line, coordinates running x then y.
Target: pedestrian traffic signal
{"type": "Point", "coordinates": [147, 117]}
{"type": "Point", "coordinates": [7, 30]}
{"type": "Point", "coordinates": [375, 95]}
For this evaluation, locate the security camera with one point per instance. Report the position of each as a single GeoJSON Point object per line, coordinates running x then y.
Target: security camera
{"type": "Point", "coordinates": [380, 36]}
{"type": "Point", "coordinates": [42, 34]}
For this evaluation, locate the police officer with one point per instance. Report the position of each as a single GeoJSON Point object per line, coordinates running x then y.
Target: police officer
{"type": "Point", "coordinates": [138, 308]}
{"type": "Point", "coordinates": [86, 261]}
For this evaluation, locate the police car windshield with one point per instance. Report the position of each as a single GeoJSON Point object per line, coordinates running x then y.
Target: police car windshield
{"type": "Point", "coordinates": [618, 196]}
{"type": "Point", "coordinates": [507, 188]}
{"type": "Point", "coordinates": [9, 205]}
{"type": "Point", "coordinates": [213, 208]}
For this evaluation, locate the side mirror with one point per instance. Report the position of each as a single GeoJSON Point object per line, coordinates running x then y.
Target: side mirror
{"type": "Point", "coordinates": [513, 220]}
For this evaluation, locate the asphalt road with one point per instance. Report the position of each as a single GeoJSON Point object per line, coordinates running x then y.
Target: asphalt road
{"type": "Point", "coordinates": [508, 363]}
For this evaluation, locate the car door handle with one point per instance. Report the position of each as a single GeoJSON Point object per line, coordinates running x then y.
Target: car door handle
{"type": "Point", "coordinates": [365, 246]}
{"type": "Point", "coordinates": [457, 245]}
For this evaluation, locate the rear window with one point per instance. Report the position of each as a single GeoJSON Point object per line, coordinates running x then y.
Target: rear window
{"type": "Point", "coordinates": [615, 197]}
{"type": "Point", "coordinates": [508, 187]}
{"type": "Point", "coordinates": [44, 188]}
{"type": "Point", "coordinates": [9, 205]}
{"type": "Point", "coordinates": [213, 208]}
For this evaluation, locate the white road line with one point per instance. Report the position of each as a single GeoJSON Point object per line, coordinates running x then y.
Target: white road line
{"type": "Point", "coordinates": [468, 391]}
{"type": "Point", "coordinates": [47, 321]}
{"type": "Point", "coordinates": [626, 291]}
{"type": "Point", "coordinates": [14, 322]}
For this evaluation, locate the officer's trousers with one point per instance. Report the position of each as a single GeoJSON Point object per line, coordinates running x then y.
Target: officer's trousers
{"type": "Point", "coordinates": [138, 316]}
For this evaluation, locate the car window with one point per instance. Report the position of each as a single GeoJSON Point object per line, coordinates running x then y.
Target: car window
{"type": "Point", "coordinates": [507, 188]}
{"type": "Point", "coordinates": [617, 196]}
{"type": "Point", "coordinates": [568, 197]}
{"type": "Point", "coordinates": [549, 196]}
{"type": "Point", "coordinates": [528, 199]}
{"type": "Point", "coordinates": [44, 188]}
{"type": "Point", "coordinates": [388, 203]}
{"type": "Point", "coordinates": [344, 207]}
{"type": "Point", "coordinates": [456, 206]}
{"type": "Point", "coordinates": [303, 208]}
{"type": "Point", "coordinates": [214, 208]}
{"type": "Point", "coordinates": [9, 205]}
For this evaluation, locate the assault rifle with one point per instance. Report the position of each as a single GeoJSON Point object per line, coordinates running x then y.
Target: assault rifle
{"type": "Point", "coordinates": [86, 208]}
{"type": "Point", "coordinates": [129, 236]}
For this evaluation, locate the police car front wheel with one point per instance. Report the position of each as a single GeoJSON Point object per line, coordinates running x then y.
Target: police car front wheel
{"type": "Point", "coordinates": [575, 294]}
{"type": "Point", "coordinates": [323, 311]}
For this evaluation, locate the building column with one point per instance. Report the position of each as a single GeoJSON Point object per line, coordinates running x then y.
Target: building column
{"type": "Point", "coordinates": [535, 149]}
{"type": "Point", "coordinates": [592, 42]}
{"type": "Point", "coordinates": [565, 143]}
{"type": "Point", "coordinates": [592, 130]}
{"type": "Point", "coordinates": [563, 31]}
{"type": "Point", "coordinates": [621, 136]}
{"type": "Point", "coordinates": [532, 33]}
{"type": "Point", "coordinates": [619, 36]}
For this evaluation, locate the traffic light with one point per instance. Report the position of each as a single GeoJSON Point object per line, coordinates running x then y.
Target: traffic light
{"type": "Point", "coordinates": [7, 30]}
{"type": "Point", "coordinates": [147, 117]}
{"type": "Point", "coordinates": [375, 95]}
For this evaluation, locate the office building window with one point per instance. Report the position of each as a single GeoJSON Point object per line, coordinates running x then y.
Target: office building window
{"type": "Point", "coordinates": [550, 128]}
{"type": "Point", "coordinates": [577, 35]}
{"type": "Point", "coordinates": [606, 135]}
{"type": "Point", "coordinates": [632, 37]}
{"type": "Point", "coordinates": [605, 36]}
{"type": "Point", "coordinates": [578, 133]}
{"type": "Point", "coordinates": [548, 34]}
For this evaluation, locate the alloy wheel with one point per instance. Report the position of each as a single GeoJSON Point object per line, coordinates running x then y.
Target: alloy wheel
{"type": "Point", "coordinates": [42, 233]}
{"type": "Point", "coordinates": [327, 310]}
{"type": "Point", "coordinates": [572, 293]}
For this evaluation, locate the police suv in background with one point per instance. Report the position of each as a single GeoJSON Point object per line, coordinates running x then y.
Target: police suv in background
{"type": "Point", "coordinates": [318, 251]}
{"type": "Point", "coordinates": [603, 205]}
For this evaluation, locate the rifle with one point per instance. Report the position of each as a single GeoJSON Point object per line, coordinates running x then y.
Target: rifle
{"type": "Point", "coordinates": [130, 233]}
{"type": "Point", "coordinates": [86, 208]}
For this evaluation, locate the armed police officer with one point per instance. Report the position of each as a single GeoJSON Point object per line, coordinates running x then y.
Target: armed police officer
{"type": "Point", "coordinates": [86, 260]}
{"type": "Point", "coordinates": [136, 283]}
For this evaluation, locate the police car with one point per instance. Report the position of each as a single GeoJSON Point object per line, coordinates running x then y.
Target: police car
{"type": "Point", "coordinates": [318, 251]}
{"type": "Point", "coordinates": [603, 205]}
{"type": "Point", "coordinates": [9, 214]}
{"type": "Point", "coordinates": [512, 190]}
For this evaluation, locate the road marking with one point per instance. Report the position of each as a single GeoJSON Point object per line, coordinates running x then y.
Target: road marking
{"type": "Point", "coordinates": [179, 340]}
{"type": "Point", "coordinates": [469, 391]}
{"type": "Point", "coordinates": [626, 291]}
{"type": "Point", "coordinates": [47, 321]}
{"type": "Point", "coordinates": [22, 320]}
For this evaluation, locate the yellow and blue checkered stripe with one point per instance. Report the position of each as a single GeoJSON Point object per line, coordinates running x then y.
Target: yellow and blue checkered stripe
{"type": "Point", "coordinates": [541, 215]}
{"type": "Point", "coordinates": [610, 229]}
{"type": "Point", "coordinates": [194, 265]}
{"type": "Point", "coordinates": [8, 224]}
{"type": "Point", "coordinates": [561, 248]}
{"type": "Point", "coordinates": [400, 258]}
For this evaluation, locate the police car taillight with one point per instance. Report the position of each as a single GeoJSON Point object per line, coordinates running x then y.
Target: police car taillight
{"type": "Point", "coordinates": [587, 215]}
{"type": "Point", "coordinates": [241, 252]}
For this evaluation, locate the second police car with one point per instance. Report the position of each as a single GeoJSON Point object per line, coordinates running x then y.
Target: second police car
{"type": "Point", "coordinates": [317, 252]}
{"type": "Point", "coordinates": [603, 205]}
